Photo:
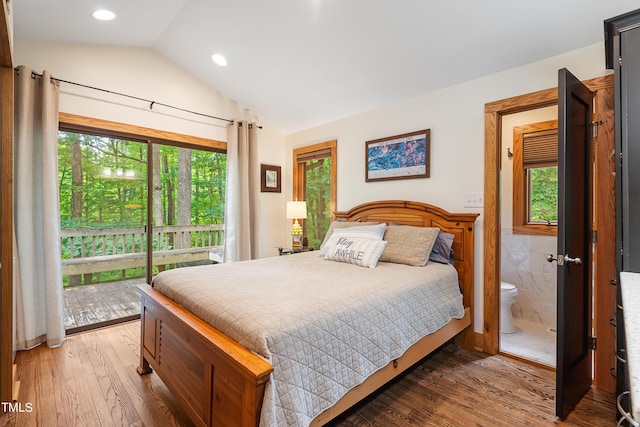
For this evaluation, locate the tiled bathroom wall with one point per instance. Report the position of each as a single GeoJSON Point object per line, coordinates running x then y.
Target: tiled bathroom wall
{"type": "Point", "coordinates": [524, 264]}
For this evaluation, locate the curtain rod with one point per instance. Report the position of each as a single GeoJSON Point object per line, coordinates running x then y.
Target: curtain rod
{"type": "Point", "coordinates": [151, 102]}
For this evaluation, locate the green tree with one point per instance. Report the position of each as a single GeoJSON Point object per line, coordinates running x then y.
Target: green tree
{"type": "Point", "coordinates": [103, 184]}
{"type": "Point", "coordinates": [544, 194]}
{"type": "Point", "coordinates": [318, 196]}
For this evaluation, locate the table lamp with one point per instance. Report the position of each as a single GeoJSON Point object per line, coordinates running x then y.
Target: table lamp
{"type": "Point", "coordinates": [296, 211]}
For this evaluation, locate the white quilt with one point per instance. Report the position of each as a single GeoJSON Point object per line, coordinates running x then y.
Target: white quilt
{"type": "Point", "coordinates": [324, 326]}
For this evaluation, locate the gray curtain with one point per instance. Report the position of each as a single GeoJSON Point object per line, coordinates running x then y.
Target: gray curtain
{"type": "Point", "coordinates": [38, 281]}
{"type": "Point", "coordinates": [241, 201]}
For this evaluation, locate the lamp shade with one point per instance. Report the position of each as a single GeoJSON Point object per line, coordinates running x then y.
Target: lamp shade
{"type": "Point", "coordinates": [296, 210]}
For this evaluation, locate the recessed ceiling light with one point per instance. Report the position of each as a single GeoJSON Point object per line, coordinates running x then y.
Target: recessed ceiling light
{"type": "Point", "coordinates": [219, 59]}
{"type": "Point", "coordinates": [104, 15]}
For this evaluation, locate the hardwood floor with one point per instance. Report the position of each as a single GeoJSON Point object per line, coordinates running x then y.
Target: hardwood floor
{"type": "Point", "coordinates": [457, 387]}
{"type": "Point", "coordinates": [91, 380]}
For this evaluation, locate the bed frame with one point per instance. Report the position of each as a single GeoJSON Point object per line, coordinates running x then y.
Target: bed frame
{"type": "Point", "coordinates": [218, 382]}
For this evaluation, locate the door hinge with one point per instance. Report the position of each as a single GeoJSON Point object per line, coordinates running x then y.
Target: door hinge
{"type": "Point", "coordinates": [592, 342]}
{"type": "Point", "coordinates": [594, 128]}
{"type": "Point", "coordinates": [594, 237]}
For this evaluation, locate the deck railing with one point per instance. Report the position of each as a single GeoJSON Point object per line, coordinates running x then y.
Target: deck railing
{"type": "Point", "coordinates": [93, 250]}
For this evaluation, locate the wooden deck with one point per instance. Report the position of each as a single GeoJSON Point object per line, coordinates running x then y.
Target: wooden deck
{"type": "Point", "coordinates": [101, 302]}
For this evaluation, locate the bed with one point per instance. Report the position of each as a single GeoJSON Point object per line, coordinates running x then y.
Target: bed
{"type": "Point", "coordinates": [224, 379]}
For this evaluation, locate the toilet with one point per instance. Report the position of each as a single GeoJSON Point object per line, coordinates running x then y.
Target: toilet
{"type": "Point", "coordinates": [508, 295]}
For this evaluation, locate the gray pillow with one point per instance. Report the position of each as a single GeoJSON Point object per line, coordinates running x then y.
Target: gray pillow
{"type": "Point", "coordinates": [442, 251]}
{"type": "Point", "coordinates": [409, 245]}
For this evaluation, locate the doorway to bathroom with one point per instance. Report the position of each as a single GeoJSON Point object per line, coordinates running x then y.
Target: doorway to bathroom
{"type": "Point", "coordinates": [529, 189]}
{"type": "Point", "coordinates": [603, 217]}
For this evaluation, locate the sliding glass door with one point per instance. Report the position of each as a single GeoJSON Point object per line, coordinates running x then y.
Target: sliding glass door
{"type": "Point", "coordinates": [128, 210]}
{"type": "Point", "coordinates": [103, 219]}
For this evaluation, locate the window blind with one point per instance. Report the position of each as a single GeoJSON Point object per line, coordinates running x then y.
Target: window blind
{"type": "Point", "coordinates": [540, 149]}
{"type": "Point", "coordinates": [313, 155]}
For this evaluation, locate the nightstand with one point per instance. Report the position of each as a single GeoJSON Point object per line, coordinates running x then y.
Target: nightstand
{"type": "Point", "coordinates": [288, 251]}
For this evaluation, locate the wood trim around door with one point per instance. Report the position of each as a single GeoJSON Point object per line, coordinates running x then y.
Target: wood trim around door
{"type": "Point", "coordinates": [6, 54]}
{"type": "Point", "coordinates": [6, 234]}
{"type": "Point", "coordinates": [492, 227]}
{"type": "Point", "coordinates": [604, 295]}
{"type": "Point", "coordinates": [124, 130]}
{"type": "Point", "coordinates": [6, 206]}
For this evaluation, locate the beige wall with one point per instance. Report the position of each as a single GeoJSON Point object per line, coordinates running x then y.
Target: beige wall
{"type": "Point", "coordinates": [455, 116]}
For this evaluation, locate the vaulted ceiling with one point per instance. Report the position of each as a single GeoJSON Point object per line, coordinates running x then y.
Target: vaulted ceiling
{"type": "Point", "coordinates": [301, 63]}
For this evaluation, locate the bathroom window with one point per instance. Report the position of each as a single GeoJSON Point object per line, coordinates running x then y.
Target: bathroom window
{"type": "Point", "coordinates": [535, 178]}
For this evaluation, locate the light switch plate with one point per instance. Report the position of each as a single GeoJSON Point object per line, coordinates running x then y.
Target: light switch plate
{"type": "Point", "coordinates": [473, 200]}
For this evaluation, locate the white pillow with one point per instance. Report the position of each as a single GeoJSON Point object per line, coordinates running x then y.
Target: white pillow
{"type": "Point", "coordinates": [353, 250]}
{"type": "Point", "coordinates": [372, 232]}
{"type": "Point", "coordinates": [335, 225]}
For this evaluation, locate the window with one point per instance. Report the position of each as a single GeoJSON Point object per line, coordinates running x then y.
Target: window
{"type": "Point", "coordinates": [314, 180]}
{"type": "Point", "coordinates": [535, 178]}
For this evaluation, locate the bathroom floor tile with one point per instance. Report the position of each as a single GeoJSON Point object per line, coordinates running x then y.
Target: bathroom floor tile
{"type": "Point", "coordinates": [531, 341]}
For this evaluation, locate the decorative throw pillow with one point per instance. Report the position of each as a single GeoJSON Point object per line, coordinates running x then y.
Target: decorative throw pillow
{"type": "Point", "coordinates": [442, 250]}
{"type": "Point", "coordinates": [409, 245]}
{"type": "Point", "coordinates": [344, 224]}
{"type": "Point", "coordinates": [372, 232]}
{"type": "Point", "coordinates": [354, 250]}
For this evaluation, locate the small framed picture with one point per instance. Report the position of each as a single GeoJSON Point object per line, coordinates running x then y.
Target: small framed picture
{"type": "Point", "coordinates": [270, 179]}
{"type": "Point", "coordinates": [398, 157]}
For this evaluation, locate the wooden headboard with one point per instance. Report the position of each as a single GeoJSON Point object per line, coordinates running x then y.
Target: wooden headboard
{"type": "Point", "coordinates": [461, 225]}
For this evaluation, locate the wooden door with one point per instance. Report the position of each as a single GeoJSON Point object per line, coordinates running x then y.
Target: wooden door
{"type": "Point", "coordinates": [574, 258]}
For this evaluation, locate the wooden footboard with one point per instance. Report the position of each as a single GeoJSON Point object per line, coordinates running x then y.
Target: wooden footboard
{"type": "Point", "coordinates": [221, 383]}
{"type": "Point", "coordinates": [217, 381]}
